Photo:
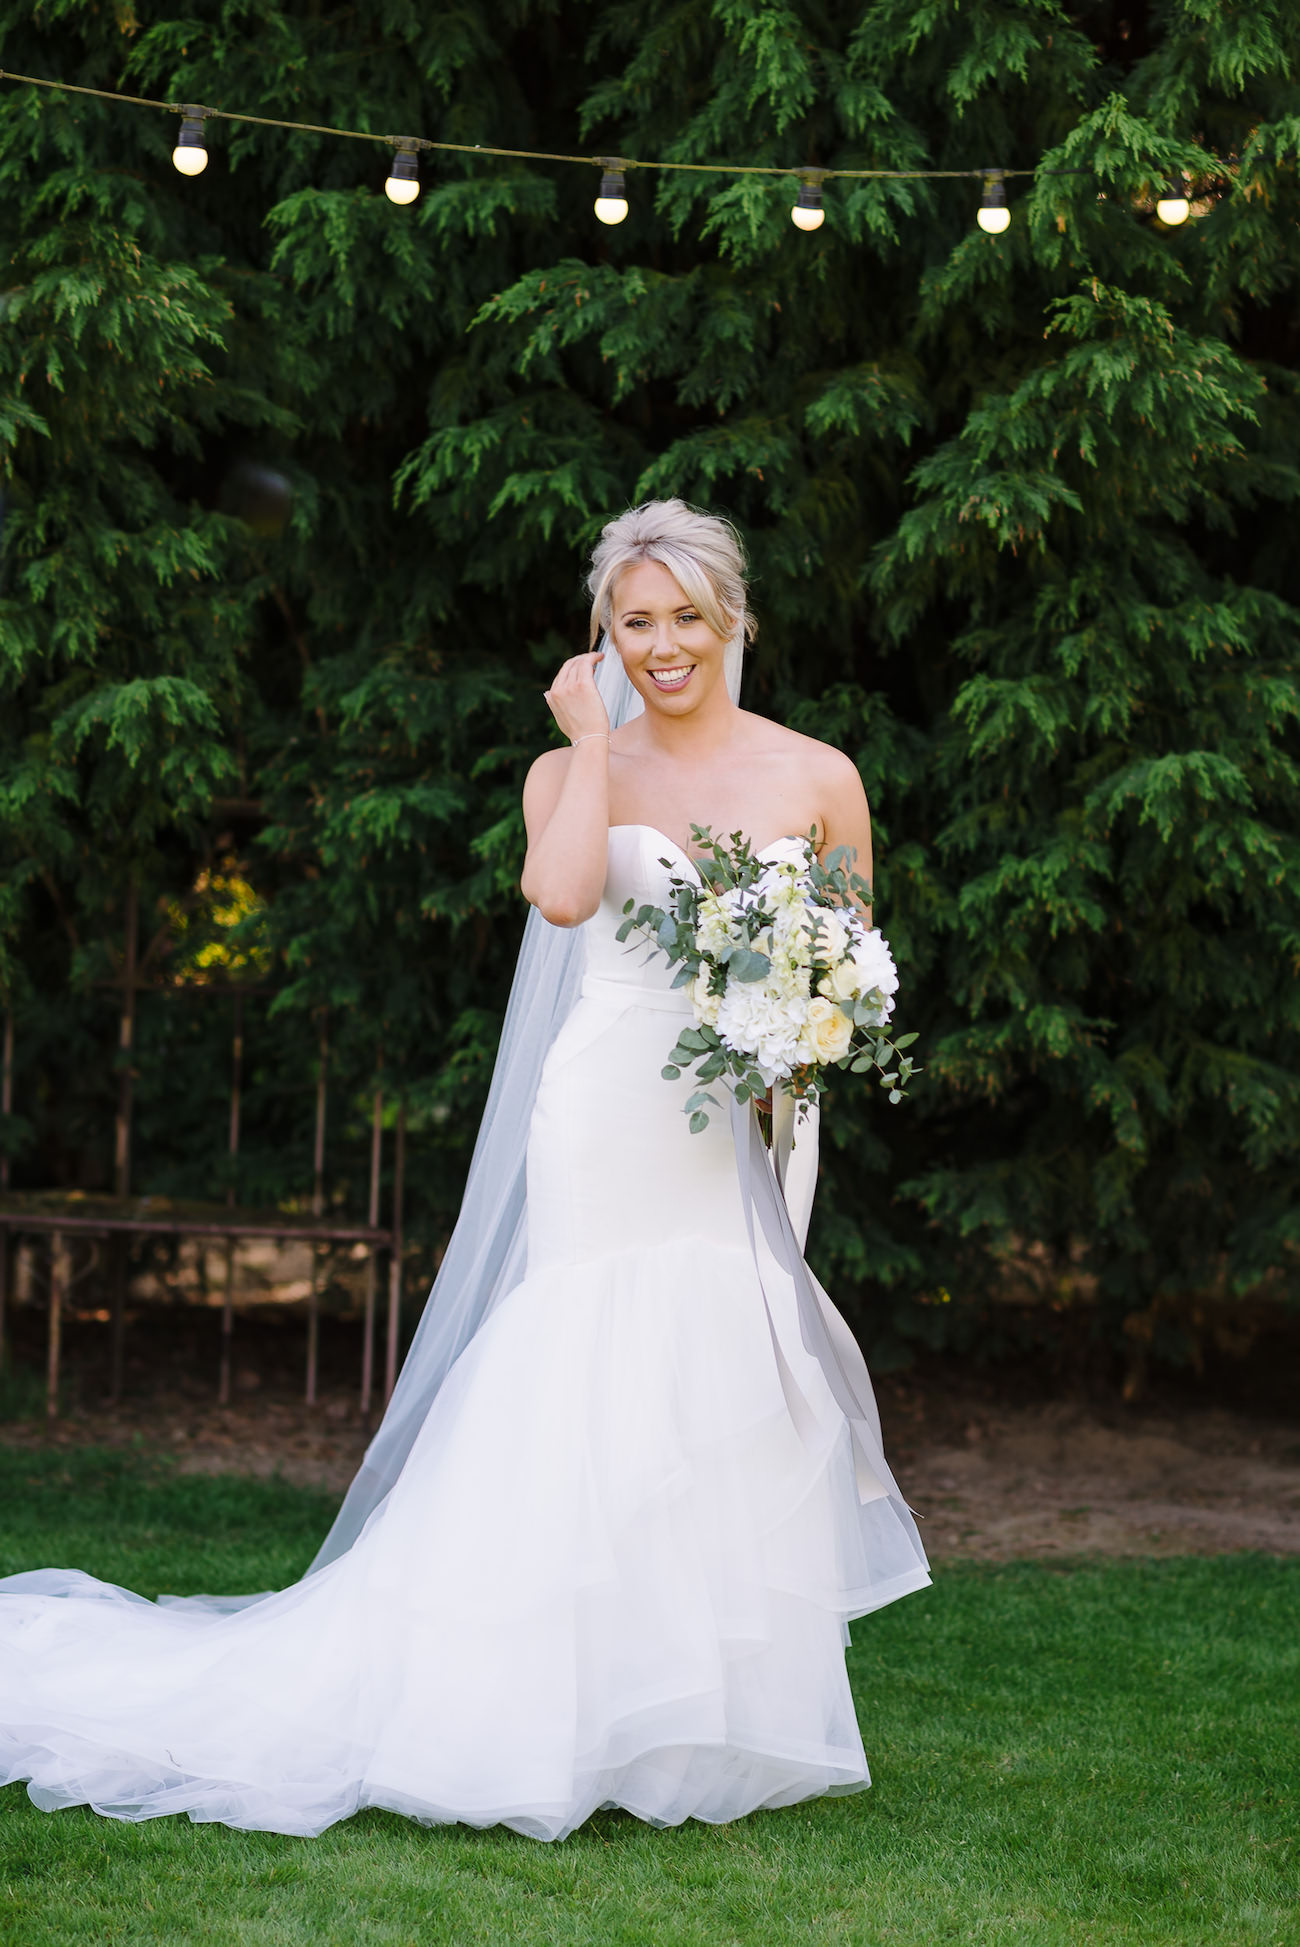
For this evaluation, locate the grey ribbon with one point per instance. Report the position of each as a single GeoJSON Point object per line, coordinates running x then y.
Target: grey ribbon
{"type": "Point", "coordinates": [825, 1335]}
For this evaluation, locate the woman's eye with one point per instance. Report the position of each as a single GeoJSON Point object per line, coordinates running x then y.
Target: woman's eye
{"type": "Point", "coordinates": [688, 615]}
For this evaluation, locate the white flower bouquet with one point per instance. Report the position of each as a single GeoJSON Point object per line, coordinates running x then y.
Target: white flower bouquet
{"type": "Point", "coordinates": [786, 977]}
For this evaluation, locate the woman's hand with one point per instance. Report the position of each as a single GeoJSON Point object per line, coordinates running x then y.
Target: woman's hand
{"type": "Point", "coordinates": [575, 701]}
{"type": "Point", "coordinates": [566, 802]}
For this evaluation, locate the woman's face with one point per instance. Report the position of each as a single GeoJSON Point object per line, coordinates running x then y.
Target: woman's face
{"type": "Point", "coordinates": [671, 655]}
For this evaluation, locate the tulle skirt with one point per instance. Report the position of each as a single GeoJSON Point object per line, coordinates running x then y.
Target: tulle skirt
{"type": "Point", "coordinates": [611, 1574]}
{"type": "Point", "coordinates": [611, 1571]}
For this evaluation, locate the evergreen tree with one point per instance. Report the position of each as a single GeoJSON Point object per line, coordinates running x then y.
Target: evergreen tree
{"type": "Point", "coordinates": [1019, 508]}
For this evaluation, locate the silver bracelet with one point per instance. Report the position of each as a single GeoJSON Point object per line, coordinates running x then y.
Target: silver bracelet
{"type": "Point", "coordinates": [587, 736]}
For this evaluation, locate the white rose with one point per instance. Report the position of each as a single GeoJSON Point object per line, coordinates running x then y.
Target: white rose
{"type": "Point", "coordinates": [827, 1032]}
{"type": "Point", "coordinates": [841, 983]}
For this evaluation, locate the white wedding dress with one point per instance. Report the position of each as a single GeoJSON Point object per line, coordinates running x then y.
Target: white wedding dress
{"type": "Point", "coordinates": [616, 1569]}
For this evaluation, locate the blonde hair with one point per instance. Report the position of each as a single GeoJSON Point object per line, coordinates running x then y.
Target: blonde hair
{"type": "Point", "coordinates": [701, 551]}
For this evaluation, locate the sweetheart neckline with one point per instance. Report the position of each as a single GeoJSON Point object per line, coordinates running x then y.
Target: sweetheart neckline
{"type": "Point", "coordinates": [634, 825]}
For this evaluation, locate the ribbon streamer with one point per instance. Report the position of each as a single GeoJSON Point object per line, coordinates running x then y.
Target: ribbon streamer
{"type": "Point", "coordinates": [825, 1335]}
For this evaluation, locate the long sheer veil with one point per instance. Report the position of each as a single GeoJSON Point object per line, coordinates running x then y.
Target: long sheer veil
{"type": "Point", "coordinates": [485, 1258]}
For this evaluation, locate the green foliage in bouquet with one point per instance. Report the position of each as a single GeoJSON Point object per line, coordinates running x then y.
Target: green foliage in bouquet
{"type": "Point", "coordinates": [730, 873]}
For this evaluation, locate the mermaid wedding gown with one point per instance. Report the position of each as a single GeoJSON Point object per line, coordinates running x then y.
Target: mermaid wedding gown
{"type": "Point", "coordinates": [616, 1569]}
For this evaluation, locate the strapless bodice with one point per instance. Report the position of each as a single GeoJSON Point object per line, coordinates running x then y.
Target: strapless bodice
{"type": "Point", "coordinates": [642, 861]}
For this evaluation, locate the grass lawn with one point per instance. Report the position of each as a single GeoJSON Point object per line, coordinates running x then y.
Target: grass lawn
{"type": "Point", "coordinates": [1098, 1753]}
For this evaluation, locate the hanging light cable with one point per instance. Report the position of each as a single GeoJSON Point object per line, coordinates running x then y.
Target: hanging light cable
{"type": "Point", "coordinates": [611, 204]}
{"type": "Point", "coordinates": [993, 214]}
{"type": "Point", "coordinates": [403, 185]}
{"type": "Point", "coordinates": [807, 212]}
{"type": "Point", "coordinates": [191, 154]}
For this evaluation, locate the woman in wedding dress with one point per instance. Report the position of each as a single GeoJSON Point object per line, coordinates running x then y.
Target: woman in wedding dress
{"type": "Point", "coordinates": [605, 1547]}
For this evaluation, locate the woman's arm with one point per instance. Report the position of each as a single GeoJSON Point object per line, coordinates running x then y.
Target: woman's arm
{"type": "Point", "coordinates": [566, 803]}
{"type": "Point", "coordinates": [846, 819]}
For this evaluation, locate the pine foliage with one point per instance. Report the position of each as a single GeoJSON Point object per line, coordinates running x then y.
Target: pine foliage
{"type": "Point", "coordinates": [296, 488]}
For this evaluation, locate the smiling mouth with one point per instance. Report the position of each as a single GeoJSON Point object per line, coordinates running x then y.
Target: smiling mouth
{"type": "Point", "coordinates": [670, 680]}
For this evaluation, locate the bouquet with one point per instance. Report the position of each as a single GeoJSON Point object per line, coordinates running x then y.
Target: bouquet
{"type": "Point", "coordinates": [786, 978]}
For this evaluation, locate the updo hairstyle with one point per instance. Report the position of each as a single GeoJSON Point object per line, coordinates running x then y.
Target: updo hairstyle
{"type": "Point", "coordinates": [701, 551]}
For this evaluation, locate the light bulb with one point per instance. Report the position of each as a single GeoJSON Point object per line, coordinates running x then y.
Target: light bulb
{"type": "Point", "coordinates": [807, 213]}
{"type": "Point", "coordinates": [403, 185]}
{"type": "Point", "coordinates": [611, 204]}
{"type": "Point", "coordinates": [190, 156]}
{"type": "Point", "coordinates": [1173, 209]}
{"type": "Point", "coordinates": [993, 215]}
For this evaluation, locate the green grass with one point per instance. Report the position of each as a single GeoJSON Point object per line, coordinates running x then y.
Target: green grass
{"type": "Point", "coordinates": [1099, 1754]}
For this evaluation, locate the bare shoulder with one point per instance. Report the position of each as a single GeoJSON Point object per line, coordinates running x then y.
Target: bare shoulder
{"type": "Point", "coordinates": [824, 768]}
{"type": "Point", "coordinates": [552, 764]}
{"type": "Point", "coordinates": [839, 777]}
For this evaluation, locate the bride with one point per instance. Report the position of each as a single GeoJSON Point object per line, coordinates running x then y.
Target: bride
{"type": "Point", "coordinates": [604, 1548]}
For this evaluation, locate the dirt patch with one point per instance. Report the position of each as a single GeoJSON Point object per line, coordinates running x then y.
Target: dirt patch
{"type": "Point", "coordinates": [993, 1478]}
{"type": "Point", "coordinates": [317, 1446]}
{"type": "Point", "coordinates": [1060, 1480]}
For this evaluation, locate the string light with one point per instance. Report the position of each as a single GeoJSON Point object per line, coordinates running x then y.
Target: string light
{"type": "Point", "coordinates": [1173, 207]}
{"type": "Point", "coordinates": [993, 214]}
{"type": "Point", "coordinates": [190, 154]}
{"type": "Point", "coordinates": [611, 204]}
{"type": "Point", "coordinates": [807, 213]}
{"type": "Point", "coordinates": [403, 185]}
